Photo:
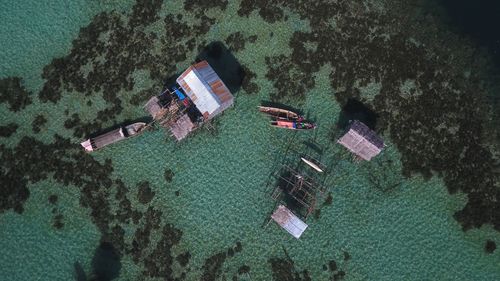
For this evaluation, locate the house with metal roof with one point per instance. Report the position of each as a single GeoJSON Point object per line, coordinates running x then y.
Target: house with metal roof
{"type": "Point", "coordinates": [362, 141]}
{"type": "Point", "coordinates": [205, 89]}
{"type": "Point", "coordinates": [200, 96]}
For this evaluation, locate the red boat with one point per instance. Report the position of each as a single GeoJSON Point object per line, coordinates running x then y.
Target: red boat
{"type": "Point", "coordinates": [293, 125]}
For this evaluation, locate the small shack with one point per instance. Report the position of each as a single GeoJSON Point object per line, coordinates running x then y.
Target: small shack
{"type": "Point", "coordinates": [362, 141]}
{"type": "Point", "coordinates": [288, 221]}
{"type": "Point", "coordinates": [182, 127]}
{"type": "Point", "coordinates": [205, 89]}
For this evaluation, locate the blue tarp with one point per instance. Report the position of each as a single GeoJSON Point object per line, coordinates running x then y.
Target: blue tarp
{"type": "Point", "coordinates": [179, 93]}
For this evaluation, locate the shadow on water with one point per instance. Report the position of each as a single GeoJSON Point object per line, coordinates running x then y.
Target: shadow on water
{"type": "Point", "coordinates": [314, 146]}
{"type": "Point", "coordinates": [106, 265]}
{"type": "Point", "coordinates": [356, 110]}
{"type": "Point", "coordinates": [79, 272]}
{"type": "Point", "coordinates": [224, 63]}
{"type": "Point", "coordinates": [479, 19]}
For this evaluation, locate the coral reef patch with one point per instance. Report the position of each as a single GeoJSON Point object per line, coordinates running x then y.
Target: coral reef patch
{"type": "Point", "coordinates": [7, 130]}
{"type": "Point", "coordinates": [14, 94]}
{"type": "Point", "coordinates": [437, 124]}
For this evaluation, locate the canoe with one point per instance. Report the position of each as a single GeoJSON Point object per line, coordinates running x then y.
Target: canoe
{"type": "Point", "coordinates": [293, 125]}
{"type": "Point", "coordinates": [113, 136]}
{"type": "Point", "coordinates": [279, 112]}
{"type": "Point", "coordinates": [311, 164]}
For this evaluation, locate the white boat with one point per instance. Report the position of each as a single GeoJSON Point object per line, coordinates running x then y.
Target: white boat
{"type": "Point", "coordinates": [312, 164]}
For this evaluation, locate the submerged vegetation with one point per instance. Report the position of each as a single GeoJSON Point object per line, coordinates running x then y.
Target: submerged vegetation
{"type": "Point", "coordinates": [438, 122]}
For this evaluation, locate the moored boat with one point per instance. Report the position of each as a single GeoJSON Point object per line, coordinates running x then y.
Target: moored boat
{"type": "Point", "coordinates": [113, 136]}
{"type": "Point", "coordinates": [279, 112]}
{"type": "Point", "coordinates": [293, 125]}
{"type": "Point", "coordinates": [312, 163]}
{"type": "Point", "coordinates": [135, 128]}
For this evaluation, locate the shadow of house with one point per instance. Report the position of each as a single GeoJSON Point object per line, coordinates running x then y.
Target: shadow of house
{"type": "Point", "coordinates": [106, 263]}
{"type": "Point", "coordinates": [356, 110]}
{"type": "Point", "coordinates": [224, 64]}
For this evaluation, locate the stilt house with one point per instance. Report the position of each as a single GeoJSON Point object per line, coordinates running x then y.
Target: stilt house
{"type": "Point", "coordinates": [205, 89]}
{"type": "Point", "coordinates": [362, 141]}
{"type": "Point", "coordinates": [202, 96]}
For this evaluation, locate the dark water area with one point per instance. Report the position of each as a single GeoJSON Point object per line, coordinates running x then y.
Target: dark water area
{"type": "Point", "coordinates": [356, 110]}
{"type": "Point", "coordinates": [477, 19]}
{"type": "Point", "coordinates": [106, 263]}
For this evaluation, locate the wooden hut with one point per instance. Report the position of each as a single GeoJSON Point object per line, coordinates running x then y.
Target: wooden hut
{"type": "Point", "coordinates": [205, 89]}
{"type": "Point", "coordinates": [288, 221]}
{"type": "Point", "coordinates": [182, 127]}
{"type": "Point", "coordinates": [153, 107]}
{"type": "Point", "coordinates": [362, 141]}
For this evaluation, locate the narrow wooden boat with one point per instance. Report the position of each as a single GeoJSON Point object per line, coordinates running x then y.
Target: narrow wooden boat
{"type": "Point", "coordinates": [279, 112]}
{"type": "Point", "coordinates": [292, 124]}
{"type": "Point", "coordinates": [113, 136]}
{"type": "Point", "coordinates": [312, 164]}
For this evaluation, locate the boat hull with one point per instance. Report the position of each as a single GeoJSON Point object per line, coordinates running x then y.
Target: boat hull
{"type": "Point", "coordinates": [278, 112]}
{"type": "Point", "coordinates": [292, 125]}
{"type": "Point", "coordinates": [113, 136]}
{"type": "Point", "coordinates": [312, 164]}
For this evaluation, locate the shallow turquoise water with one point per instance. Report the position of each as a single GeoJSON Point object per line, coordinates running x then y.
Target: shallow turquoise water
{"type": "Point", "coordinates": [408, 233]}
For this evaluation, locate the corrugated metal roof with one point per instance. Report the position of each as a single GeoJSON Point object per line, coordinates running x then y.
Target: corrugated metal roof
{"type": "Point", "coordinates": [205, 88]}
{"type": "Point", "coordinates": [288, 221]}
{"type": "Point", "coordinates": [204, 100]}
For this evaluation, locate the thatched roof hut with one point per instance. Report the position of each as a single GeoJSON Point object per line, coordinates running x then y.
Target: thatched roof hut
{"type": "Point", "coordinates": [182, 127]}
{"type": "Point", "coordinates": [362, 141]}
{"type": "Point", "coordinates": [154, 108]}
